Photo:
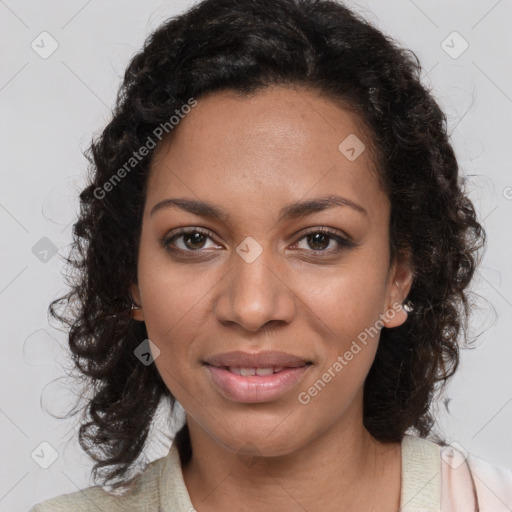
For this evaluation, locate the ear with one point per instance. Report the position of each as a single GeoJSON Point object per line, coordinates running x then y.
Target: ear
{"type": "Point", "coordinates": [137, 314]}
{"type": "Point", "coordinates": [399, 284]}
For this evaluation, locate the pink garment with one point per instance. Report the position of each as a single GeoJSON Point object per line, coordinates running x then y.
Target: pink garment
{"type": "Point", "coordinates": [471, 484]}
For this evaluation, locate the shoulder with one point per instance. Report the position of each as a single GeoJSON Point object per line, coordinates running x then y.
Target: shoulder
{"type": "Point", "coordinates": [464, 474]}
{"type": "Point", "coordinates": [461, 480]}
{"type": "Point", "coordinates": [144, 494]}
{"type": "Point", "coordinates": [493, 484]}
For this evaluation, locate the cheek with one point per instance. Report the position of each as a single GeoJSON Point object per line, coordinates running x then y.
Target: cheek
{"type": "Point", "coordinates": [350, 300]}
{"type": "Point", "coordinates": [348, 334]}
{"type": "Point", "coordinates": [172, 313]}
{"type": "Point", "coordinates": [172, 293]}
{"type": "Point", "coordinates": [349, 305]}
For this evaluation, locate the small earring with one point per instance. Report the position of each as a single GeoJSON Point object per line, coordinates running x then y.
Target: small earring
{"type": "Point", "coordinates": [408, 307]}
{"type": "Point", "coordinates": [135, 306]}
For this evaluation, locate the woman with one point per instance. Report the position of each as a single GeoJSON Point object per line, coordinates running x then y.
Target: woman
{"type": "Point", "coordinates": [275, 235]}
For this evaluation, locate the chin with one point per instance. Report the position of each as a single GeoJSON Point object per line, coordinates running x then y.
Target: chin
{"type": "Point", "coordinates": [260, 440]}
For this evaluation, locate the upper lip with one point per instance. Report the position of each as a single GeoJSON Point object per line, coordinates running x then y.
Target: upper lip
{"type": "Point", "coordinates": [269, 359]}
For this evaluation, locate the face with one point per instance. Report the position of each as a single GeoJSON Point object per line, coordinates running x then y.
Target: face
{"type": "Point", "coordinates": [262, 276]}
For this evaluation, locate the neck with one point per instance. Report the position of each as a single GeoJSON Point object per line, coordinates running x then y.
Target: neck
{"type": "Point", "coordinates": [344, 465]}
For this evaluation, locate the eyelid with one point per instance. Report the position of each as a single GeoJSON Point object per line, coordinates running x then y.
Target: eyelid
{"type": "Point", "coordinates": [343, 240]}
{"type": "Point", "coordinates": [176, 233]}
{"type": "Point", "coordinates": [328, 231]}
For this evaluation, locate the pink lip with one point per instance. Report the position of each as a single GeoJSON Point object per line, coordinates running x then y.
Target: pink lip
{"type": "Point", "coordinates": [255, 388]}
{"type": "Point", "coordinates": [268, 359]}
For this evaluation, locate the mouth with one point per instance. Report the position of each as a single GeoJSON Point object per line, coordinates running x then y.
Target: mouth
{"type": "Point", "coordinates": [261, 372]}
{"type": "Point", "coordinates": [254, 378]}
{"type": "Point", "coordinates": [263, 361]}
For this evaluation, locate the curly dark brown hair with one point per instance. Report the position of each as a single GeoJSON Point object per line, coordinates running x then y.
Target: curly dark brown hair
{"type": "Point", "coordinates": [244, 46]}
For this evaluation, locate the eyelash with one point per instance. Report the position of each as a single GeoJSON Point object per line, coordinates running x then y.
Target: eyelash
{"type": "Point", "coordinates": [344, 243]}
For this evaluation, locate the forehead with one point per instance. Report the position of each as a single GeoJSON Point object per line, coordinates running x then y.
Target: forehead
{"type": "Point", "coordinates": [276, 145]}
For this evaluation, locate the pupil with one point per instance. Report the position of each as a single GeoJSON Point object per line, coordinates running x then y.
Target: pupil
{"type": "Point", "coordinates": [195, 237]}
{"type": "Point", "coordinates": [318, 237]}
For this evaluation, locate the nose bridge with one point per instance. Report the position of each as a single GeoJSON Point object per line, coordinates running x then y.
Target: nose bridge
{"type": "Point", "coordinates": [256, 292]}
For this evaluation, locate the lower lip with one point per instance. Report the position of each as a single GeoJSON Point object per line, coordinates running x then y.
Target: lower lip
{"type": "Point", "coordinates": [255, 388]}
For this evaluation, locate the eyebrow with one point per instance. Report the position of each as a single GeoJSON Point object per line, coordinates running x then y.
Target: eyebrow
{"type": "Point", "coordinates": [292, 211]}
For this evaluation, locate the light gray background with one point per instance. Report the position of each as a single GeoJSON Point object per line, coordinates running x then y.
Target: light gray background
{"type": "Point", "coordinates": [50, 109]}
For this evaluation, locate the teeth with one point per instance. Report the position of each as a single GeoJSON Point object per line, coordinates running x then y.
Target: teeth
{"type": "Point", "coordinates": [264, 371]}
{"type": "Point", "coordinates": [254, 371]}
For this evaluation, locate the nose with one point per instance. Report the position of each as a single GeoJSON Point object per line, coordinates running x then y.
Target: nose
{"type": "Point", "coordinates": [255, 294]}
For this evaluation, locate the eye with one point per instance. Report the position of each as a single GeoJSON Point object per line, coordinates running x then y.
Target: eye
{"type": "Point", "coordinates": [193, 240]}
{"type": "Point", "coordinates": [320, 239]}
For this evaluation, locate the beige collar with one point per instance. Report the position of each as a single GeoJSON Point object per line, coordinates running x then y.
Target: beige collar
{"type": "Point", "coordinates": [421, 475]}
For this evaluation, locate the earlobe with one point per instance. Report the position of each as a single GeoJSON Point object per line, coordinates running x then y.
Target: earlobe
{"type": "Point", "coordinates": [136, 312]}
{"type": "Point", "coordinates": [400, 284]}
{"type": "Point", "coordinates": [394, 316]}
